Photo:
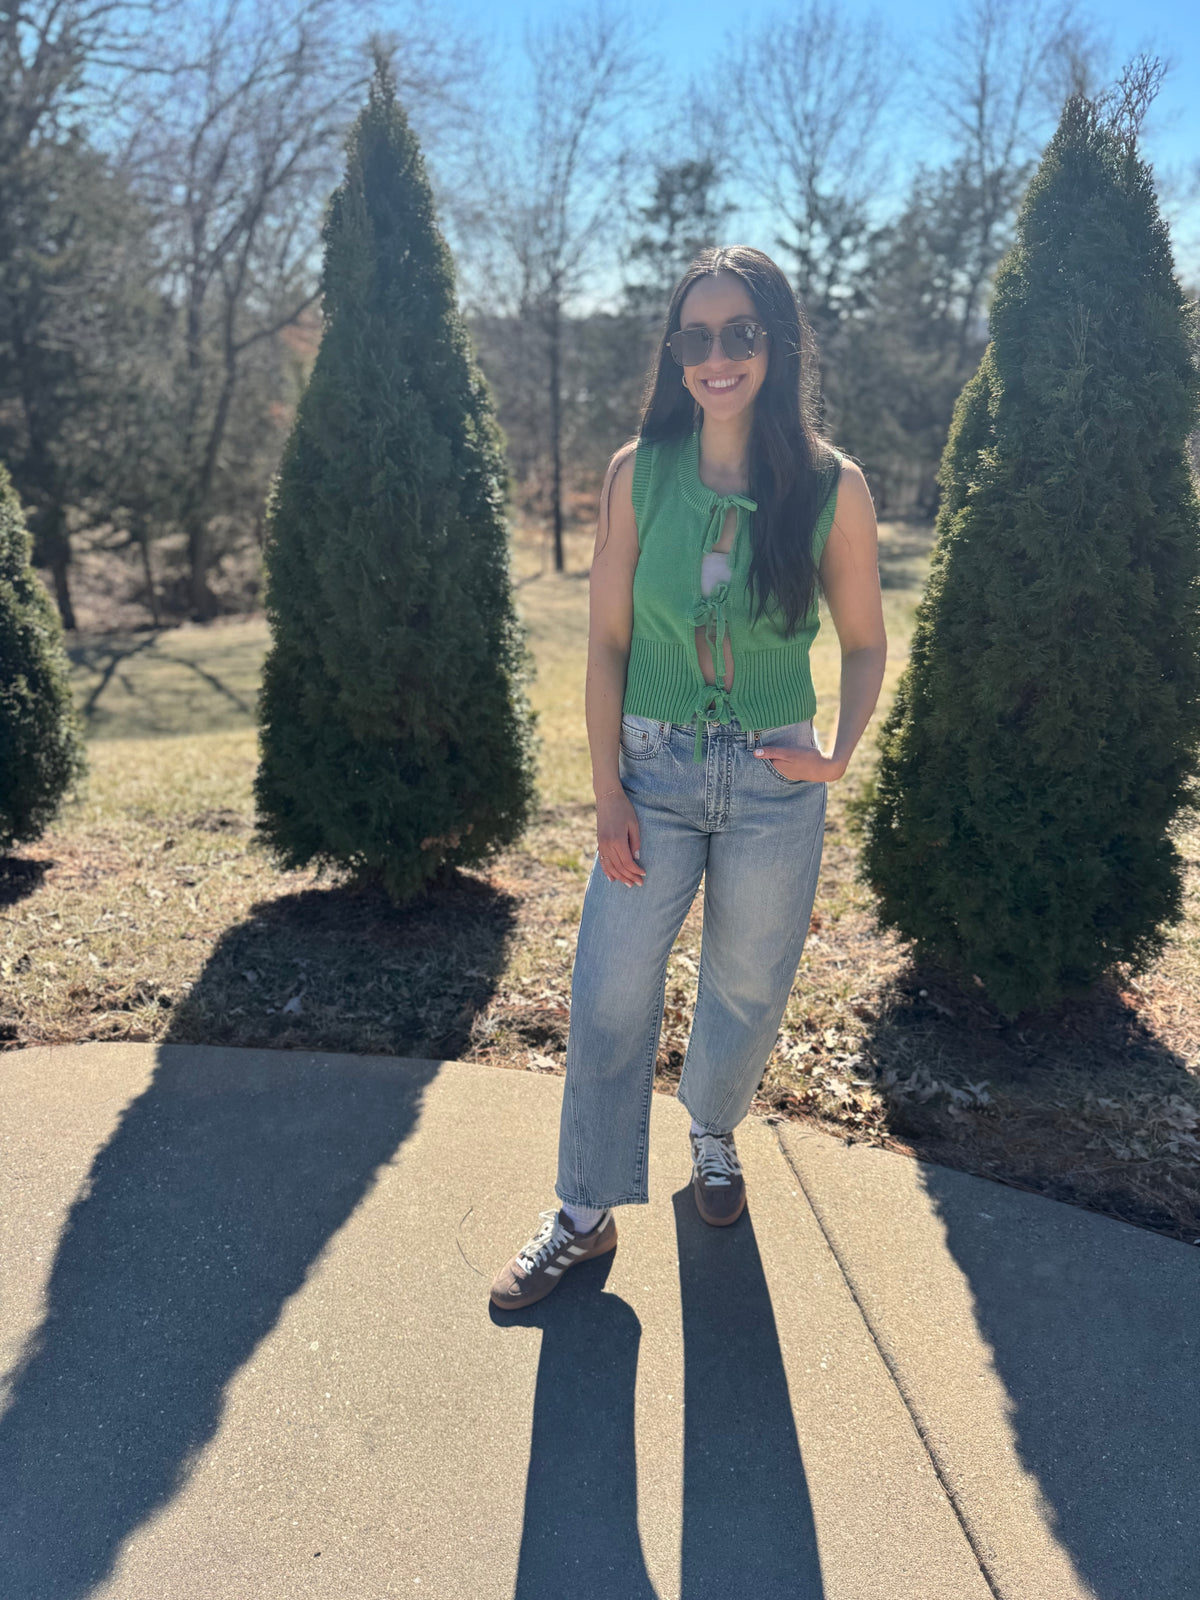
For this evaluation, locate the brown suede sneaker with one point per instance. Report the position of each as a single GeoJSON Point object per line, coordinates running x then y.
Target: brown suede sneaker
{"type": "Point", "coordinates": [539, 1267]}
{"type": "Point", "coordinates": [717, 1181]}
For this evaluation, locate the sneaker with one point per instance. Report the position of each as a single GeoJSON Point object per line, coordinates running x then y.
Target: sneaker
{"type": "Point", "coordinates": [539, 1267]}
{"type": "Point", "coordinates": [717, 1181]}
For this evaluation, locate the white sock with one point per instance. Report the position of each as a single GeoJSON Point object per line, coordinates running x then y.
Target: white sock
{"type": "Point", "coordinates": [582, 1218]}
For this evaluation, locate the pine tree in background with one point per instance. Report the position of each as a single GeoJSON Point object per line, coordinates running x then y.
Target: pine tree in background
{"type": "Point", "coordinates": [41, 739]}
{"type": "Point", "coordinates": [396, 738]}
{"type": "Point", "coordinates": [1045, 735]}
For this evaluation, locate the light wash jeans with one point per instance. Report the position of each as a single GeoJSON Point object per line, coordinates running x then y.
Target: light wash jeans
{"type": "Point", "coordinates": [755, 837]}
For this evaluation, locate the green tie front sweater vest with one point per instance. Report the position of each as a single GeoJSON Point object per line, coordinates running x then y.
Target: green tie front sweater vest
{"type": "Point", "coordinates": [679, 520]}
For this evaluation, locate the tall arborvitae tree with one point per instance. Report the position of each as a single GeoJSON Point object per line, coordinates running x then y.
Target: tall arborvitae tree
{"type": "Point", "coordinates": [396, 738]}
{"type": "Point", "coordinates": [1046, 730]}
{"type": "Point", "coordinates": [41, 741]}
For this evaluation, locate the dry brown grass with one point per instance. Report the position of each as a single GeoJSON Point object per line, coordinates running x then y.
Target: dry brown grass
{"type": "Point", "coordinates": [149, 913]}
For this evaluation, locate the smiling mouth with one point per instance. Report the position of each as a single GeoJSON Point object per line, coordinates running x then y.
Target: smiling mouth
{"type": "Point", "coordinates": [723, 387]}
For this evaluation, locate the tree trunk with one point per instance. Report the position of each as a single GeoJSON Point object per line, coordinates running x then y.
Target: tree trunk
{"type": "Point", "coordinates": [52, 548]}
{"type": "Point", "coordinates": [143, 540]}
{"type": "Point", "coordinates": [555, 331]}
{"type": "Point", "coordinates": [200, 596]}
{"type": "Point", "coordinates": [62, 592]}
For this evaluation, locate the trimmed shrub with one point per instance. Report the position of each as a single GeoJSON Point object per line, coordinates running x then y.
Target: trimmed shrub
{"type": "Point", "coordinates": [41, 735]}
{"type": "Point", "coordinates": [1046, 732]}
{"type": "Point", "coordinates": [396, 736]}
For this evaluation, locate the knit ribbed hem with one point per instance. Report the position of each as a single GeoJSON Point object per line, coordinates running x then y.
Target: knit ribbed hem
{"type": "Point", "coordinates": [771, 688]}
{"type": "Point", "coordinates": [660, 681]}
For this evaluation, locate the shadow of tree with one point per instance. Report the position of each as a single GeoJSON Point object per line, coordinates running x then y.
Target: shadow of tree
{"type": "Point", "coordinates": [105, 657]}
{"type": "Point", "coordinates": [211, 679]}
{"type": "Point", "coordinates": [357, 972]}
{"type": "Point", "coordinates": [1083, 1314]}
{"type": "Point", "coordinates": [1042, 1132]}
{"type": "Point", "coordinates": [159, 698]}
{"type": "Point", "coordinates": [202, 1214]}
{"type": "Point", "coordinates": [1092, 1330]}
{"type": "Point", "coordinates": [20, 878]}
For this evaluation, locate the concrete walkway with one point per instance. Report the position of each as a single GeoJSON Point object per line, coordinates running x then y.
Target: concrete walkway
{"type": "Point", "coordinates": [249, 1353]}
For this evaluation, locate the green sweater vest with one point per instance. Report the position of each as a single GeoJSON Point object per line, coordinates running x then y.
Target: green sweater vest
{"type": "Point", "coordinates": [679, 520]}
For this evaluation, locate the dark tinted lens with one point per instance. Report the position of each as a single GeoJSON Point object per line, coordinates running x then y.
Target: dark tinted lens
{"type": "Point", "coordinates": [690, 346]}
{"type": "Point", "coordinates": [737, 340]}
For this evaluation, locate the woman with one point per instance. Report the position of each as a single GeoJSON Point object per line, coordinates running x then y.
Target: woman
{"type": "Point", "coordinates": [714, 527]}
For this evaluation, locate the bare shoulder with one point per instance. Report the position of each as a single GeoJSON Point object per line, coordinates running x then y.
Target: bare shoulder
{"type": "Point", "coordinates": [616, 529]}
{"type": "Point", "coordinates": [855, 511]}
{"type": "Point", "coordinates": [850, 565]}
{"type": "Point", "coordinates": [619, 477]}
{"type": "Point", "coordinates": [852, 484]}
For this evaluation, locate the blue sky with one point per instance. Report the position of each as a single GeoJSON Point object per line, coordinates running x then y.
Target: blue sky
{"type": "Point", "coordinates": [690, 33]}
{"type": "Point", "coordinates": [690, 30]}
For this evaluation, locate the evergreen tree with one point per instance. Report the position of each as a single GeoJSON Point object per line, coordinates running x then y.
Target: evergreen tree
{"type": "Point", "coordinates": [41, 742]}
{"type": "Point", "coordinates": [686, 215]}
{"type": "Point", "coordinates": [396, 739]}
{"type": "Point", "coordinates": [1046, 730]}
{"type": "Point", "coordinates": [898, 363]}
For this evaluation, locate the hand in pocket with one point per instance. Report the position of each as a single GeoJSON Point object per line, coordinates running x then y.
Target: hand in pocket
{"type": "Point", "coordinates": [793, 753]}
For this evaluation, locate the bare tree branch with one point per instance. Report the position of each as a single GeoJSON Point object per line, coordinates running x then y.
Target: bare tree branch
{"type": "Point", "coordinates": [551, 185]}
{"type": "Point", "coordinates": [997, 83]}
{"type": "Point", "coordinates": [816, 87]}
{"type": "Point", "coordinates": [234, 142]}
{"type": "Point", "coordinates": [1134, 92]}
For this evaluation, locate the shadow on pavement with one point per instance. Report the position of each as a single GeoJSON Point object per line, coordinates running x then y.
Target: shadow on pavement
{"type": "Point", "coordinates": [748, 1526]}
{"type": "Point", "coordinates": [747, 1520]}
{"type": "Point", "coordinates": [1092, 1326]}
{"type": "Point", "coordinates": [221, 1186]}
{"type": "Point", "coordinates": [580, 1536]}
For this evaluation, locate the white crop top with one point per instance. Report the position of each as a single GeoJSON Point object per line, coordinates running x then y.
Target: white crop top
{"type": "Point", "coordinates": [714, 569]}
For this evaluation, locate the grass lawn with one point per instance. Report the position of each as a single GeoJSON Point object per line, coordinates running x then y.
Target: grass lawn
{"type": "Point", "coordinates": [150, 913]}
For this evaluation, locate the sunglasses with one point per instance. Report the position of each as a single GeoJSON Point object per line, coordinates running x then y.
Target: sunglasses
{"type": "Point", "coordinates": [740, 340]}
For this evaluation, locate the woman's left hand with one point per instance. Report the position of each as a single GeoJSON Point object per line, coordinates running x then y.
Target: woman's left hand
{"type": "Point", "coordinates": [809, 764]}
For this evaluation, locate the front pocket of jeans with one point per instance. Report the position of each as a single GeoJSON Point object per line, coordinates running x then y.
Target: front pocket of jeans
{"type": "Point", "coordinates": [794, 735]}
{"type": "Point", "coordinates": [782, 776]}
{"type": "Point", "coordinates": [641, 737]}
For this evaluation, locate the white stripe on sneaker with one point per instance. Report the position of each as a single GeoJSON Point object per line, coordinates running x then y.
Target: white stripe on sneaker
{"type": "Point", "coordinates": [577, 1250]}
{"type": "Point", "coordinates": [554, 1272]}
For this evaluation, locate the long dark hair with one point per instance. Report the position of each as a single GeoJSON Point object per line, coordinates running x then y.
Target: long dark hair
{"type": "Point", "coordinates": [793, 470]}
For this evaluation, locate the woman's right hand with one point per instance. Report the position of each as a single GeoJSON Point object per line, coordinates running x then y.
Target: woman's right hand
{"type": "Point", "coordinates": [618, 839]}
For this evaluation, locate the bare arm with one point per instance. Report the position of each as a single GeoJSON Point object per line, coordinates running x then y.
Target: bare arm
{"type": "Point", "coordinates": [610, 628]}
{"type": "Point", "coordinates": [850, 581]}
